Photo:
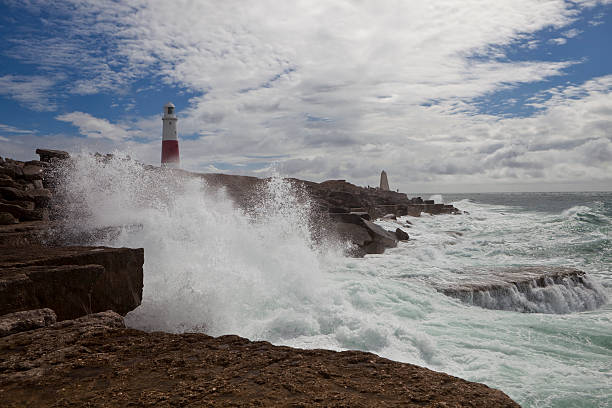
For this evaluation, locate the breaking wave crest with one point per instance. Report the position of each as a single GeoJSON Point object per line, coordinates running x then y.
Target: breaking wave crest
{"type": "Point", "coordinates": [554, 295]}
{"type": "Point", "coordinates": [209, 266]}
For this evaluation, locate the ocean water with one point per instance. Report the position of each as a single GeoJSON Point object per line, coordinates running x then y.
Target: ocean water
{"type": "Point", "coordinates": [212, 268]}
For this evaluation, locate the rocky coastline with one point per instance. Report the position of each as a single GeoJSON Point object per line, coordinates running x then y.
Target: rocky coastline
{"type": "Point", "coordinates": [63, 341]}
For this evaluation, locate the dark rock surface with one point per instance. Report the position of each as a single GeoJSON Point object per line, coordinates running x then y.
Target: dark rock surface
{"type": "Point", "coordinates": [22, 193]}
{"type": "Point", "coordinates": [368, 237]}
{"type": "Point", "coordinates": [27, 320]}
{"type": "Point", "coordinates": [94, 361]}
{"type": "Point", "coordinates": [401, 234]}
{"type": "Point", "coordinates": [72, 281]}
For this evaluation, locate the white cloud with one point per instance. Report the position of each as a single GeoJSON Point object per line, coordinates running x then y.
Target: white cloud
{"type": "Point", "coordinates": [8, 129]}
{"type": "Point", "coordinates": [30, 91]}
{"type": "Point", "coordinates": [95, 128]}
{"type": "Point", "coordinates": [574, 32]}
{"type": "Point", "coordinates": [558, 41]}
{"type": "Point", "coordinates": [337, 89]}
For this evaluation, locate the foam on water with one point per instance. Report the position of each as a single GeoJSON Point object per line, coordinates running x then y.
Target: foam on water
{"type": "Point", "coordinates": [211, 267]}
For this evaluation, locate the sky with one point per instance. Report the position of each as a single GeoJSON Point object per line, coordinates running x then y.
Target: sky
{"type": "Point", "coordinates": [445, 95]}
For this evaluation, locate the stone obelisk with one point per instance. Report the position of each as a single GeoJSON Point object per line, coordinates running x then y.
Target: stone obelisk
{"type": "Point", "coordinates": [384, 183]}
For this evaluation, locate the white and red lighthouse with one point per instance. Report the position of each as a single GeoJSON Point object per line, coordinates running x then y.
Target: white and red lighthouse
{"type": "Point", "coordinates": [170, 148]}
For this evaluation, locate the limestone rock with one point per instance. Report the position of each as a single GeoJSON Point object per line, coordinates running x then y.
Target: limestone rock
{"type": "Point", "coordinates": [95, 361]}
{"type": "Point", "coordinates": [65, 289]}
{"type": "Point", "coordinates": [72, 281]}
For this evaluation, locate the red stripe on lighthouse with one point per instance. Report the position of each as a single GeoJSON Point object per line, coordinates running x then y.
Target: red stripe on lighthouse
{"type": "Point", "coordinates": [170, 152]}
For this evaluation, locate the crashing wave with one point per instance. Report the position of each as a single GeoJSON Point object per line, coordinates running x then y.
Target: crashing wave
{"type": "Point", "coordinates": [532, 290]}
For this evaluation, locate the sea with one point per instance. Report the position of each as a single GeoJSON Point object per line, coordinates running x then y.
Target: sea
{"type": "Point", "coordinates": [211, 267]}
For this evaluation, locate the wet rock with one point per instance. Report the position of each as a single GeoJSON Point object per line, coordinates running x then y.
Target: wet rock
{"type": "Point", "coordinates": [401, 235]}
{"type": "Point", "coordinates": [389, 217]}
{"type": "Point", "coordinates": [367, 236]}
{"type": "Point", "coordinates": [27, 320]}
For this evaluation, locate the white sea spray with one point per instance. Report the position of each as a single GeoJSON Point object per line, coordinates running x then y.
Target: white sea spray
{"type": "Point", "coordinates": [211, 267]}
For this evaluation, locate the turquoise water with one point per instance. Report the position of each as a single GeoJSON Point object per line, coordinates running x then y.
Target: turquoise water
{"type": "Point", "coordinates": [210, 267]}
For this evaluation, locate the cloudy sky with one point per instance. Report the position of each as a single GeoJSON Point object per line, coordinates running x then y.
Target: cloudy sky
{"type": "Point", "coordinates": [446, 95]}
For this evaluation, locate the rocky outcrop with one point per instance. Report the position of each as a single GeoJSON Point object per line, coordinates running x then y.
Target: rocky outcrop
{"type": "Point", "coordinates": [27, 320]}
{"type": "Point", "coordinates": [35, 272]}
{"type": "Point", "coordinates": [541, 289]}
{"type": "Point", "coordinates": [367, 237]}
{"type": "Point", "coordinates": [339, 194]}
{"type": "Point", "coordinates": [95, 361]}
{"type": "Point", "coordinates": [72, 281]}
{"type": "Point", "coordinates": [22, 196]}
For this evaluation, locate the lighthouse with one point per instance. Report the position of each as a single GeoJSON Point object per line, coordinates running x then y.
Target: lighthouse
{"type": "Point", "coordinates": [170, 148]}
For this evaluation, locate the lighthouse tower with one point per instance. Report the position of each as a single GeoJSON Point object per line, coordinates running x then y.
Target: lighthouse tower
{"type": "Point", "coordinates": [170, 148]}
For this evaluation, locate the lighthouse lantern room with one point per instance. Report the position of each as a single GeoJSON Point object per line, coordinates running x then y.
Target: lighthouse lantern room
{"type": "Point", "coordinates": [170, 148]}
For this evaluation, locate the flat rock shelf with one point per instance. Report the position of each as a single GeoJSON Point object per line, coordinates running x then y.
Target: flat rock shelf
{"type": "Point", "coordinates": [96, 361]}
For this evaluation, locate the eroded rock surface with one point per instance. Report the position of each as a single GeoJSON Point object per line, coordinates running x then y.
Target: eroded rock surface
{"type": "Point", "coordinates": [95, 361]}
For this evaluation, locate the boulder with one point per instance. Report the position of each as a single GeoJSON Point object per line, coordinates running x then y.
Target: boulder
{"type": "Point", "coordinates": [401, 235]}
{"type": "Point", "coordinates": [27, 320]}
{"type": "Point", "coordinates": [389, 217]}
{"type": "Point", "coordinates": [51, 155]}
